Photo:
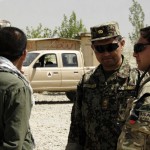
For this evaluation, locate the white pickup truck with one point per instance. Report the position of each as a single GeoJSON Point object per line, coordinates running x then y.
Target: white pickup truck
{"type": "Point", "coordinates": [55, 70]}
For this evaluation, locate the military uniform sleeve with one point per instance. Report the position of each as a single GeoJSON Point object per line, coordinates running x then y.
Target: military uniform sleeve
{"type": "Point", "coordinates": [16, 118]}
{"type": "Point", "coordinates": [136, 132]}
{"type": "Point", "coordinates": [76, 136]}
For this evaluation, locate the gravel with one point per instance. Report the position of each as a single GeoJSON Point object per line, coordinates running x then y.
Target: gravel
{"type": "Point", "coordinates": [50, 120]}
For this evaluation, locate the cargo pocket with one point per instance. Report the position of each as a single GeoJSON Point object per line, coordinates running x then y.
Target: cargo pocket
{"type": "Point", "coordinates": [29, 143]}
{"type": "Point", "coordinates": [129, 140]}
{"type": "Point", "coordinates": [139, 140]}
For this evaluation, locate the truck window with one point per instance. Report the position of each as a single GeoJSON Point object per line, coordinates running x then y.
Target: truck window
{"type": "Point", "coordinates": [69, 60]}
{"type": "Point", "coordinates": [48, 60]}
{"type": "Point", "coordinates": [29, 58]}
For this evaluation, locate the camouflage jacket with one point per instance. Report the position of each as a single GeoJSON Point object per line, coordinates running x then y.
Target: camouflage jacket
{"type": "Point", "coordinates": [136, 135]}
{"type": "Point", "coordinates": [98, 113]}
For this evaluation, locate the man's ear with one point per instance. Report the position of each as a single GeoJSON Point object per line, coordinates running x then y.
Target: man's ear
{"type": "Point", "coordinates": [24, 55]}
{"type": "Point", "coordinates": [21, 60]}
{"type": "Point", "coordinates": [122, 42]}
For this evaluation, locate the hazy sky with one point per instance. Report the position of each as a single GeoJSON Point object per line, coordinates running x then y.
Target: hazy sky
{"type": "Point", "coordinates": [23, 13]}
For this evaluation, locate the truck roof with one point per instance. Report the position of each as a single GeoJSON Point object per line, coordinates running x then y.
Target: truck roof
{"type": "Point", "coordinates": [43, 39]}
{"type": "Point", "coordinates": [55, 51]}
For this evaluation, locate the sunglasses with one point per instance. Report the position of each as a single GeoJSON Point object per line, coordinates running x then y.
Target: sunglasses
{"type": "Point", "coordinates": [139, 47]}
{"type": "Point", "coordinates": [103, 48]}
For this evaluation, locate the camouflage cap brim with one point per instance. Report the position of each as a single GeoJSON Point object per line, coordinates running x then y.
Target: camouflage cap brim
{"type": "Point", "coordinates": [105, 31]}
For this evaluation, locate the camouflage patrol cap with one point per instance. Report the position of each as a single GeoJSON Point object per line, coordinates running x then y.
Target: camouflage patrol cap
{"type": "Point", "coordinates": [105, 31]}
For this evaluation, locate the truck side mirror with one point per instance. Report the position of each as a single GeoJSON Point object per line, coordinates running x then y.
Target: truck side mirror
{"type": "Point", "coordinates": [38, 64]}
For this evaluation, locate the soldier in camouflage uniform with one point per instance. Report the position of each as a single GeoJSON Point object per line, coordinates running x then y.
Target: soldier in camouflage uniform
{"type": "Point", "coordinates": [98, 111]}
{"type": "Point", "coordinates": [136, 131]}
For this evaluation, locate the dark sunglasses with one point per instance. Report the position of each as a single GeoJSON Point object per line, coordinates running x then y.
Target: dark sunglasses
{"type": "Point", "coordinates": [139, 47]}
{"type": "Point", "coordinates": [103, 48]}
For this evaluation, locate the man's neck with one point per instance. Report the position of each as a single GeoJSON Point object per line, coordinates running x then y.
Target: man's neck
{"type": "Point", "coordinates": [113, 68]}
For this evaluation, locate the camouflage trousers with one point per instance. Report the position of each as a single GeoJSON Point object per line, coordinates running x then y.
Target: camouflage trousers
{"type": "Point", "coordinates": [135, 137]}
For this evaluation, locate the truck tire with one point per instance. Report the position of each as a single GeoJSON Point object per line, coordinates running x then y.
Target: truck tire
{"type": "Point", "coordinates": [71, 95]}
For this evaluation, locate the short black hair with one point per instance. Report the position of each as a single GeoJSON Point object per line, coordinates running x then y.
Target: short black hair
{"type": "Point", "coordinates": [13, 42]}
{"type": "Point", "coordinates": [145, 33]}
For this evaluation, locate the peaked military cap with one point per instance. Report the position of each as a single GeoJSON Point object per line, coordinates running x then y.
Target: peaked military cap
{"type": "Point", "coordinates": [105, 31]}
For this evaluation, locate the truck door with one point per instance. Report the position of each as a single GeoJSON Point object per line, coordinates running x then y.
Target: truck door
{"type": "Point", "coordinates": [71, 72]}
{"type": "Point", "coordinates": [47, 75]}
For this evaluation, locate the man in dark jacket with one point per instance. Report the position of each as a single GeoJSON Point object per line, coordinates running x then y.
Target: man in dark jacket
{"type": "Point", "coordinates": [15, 92]}
{"type": "Point", "coordinates": [99, 109]}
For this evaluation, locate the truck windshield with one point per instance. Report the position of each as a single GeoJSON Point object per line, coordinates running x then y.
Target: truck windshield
{"type": "Point", "coordinates": [29, 58]}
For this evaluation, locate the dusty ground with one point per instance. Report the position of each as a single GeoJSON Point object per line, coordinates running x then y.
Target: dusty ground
{"type": "Point", "coordinates": [50, 121]}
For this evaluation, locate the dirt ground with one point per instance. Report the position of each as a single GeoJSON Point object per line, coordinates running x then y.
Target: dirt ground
{"type": "Point", "coordinates": [50, 121]}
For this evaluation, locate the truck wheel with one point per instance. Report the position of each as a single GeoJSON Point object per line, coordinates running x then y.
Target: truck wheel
{"type": "Point", "coordinates": [71, 95]}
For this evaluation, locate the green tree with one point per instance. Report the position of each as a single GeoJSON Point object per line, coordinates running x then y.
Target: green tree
{"type": "Point", "coordinates": [39, 32]}
{"type": "Point", "coordinates": [70, 28]}
{"type": "Point", "coordinates": [136, 18]}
